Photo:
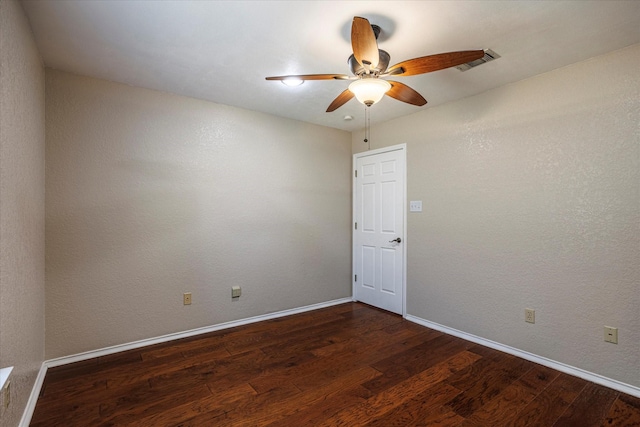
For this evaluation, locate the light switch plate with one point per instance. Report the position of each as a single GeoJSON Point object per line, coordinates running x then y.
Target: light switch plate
{"type": "Point", "coordinates": [415, 206]}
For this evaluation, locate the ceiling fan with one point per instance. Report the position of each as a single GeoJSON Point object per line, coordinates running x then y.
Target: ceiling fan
{"type": "Point", "coordinates": [370, 64]}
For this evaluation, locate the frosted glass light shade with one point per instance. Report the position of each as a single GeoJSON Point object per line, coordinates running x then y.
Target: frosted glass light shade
{"type": "Point", "coordinates": [369, 90]}
{"type": "Point", "coordinates": [292, 82]}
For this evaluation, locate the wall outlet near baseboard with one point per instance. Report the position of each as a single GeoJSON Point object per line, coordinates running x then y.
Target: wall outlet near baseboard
{"type": "Point", "coordinates": [529, 315]}
{"type": "Point", "coordinates": [186, 298]}
{"type": "Point", "coordinates": [6, 395]}
{"type": "Point", "coordinates": [5, 388]}
{"type": "Point", "coordinates": [611, 334]}
{"type": "Point", "coordinates": [236, 291]}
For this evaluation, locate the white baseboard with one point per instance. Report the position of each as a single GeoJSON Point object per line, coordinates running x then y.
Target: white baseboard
{"type": "Point", "coordinates": [33, 397]}
{"type": "Point", "coordinates": [559, 366]}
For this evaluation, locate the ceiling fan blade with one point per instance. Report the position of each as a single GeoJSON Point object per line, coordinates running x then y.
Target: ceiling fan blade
{"type": "Point", "coordinates": [363, 43]}
{"type": "Point", "coordinates": [427, 64]}
{"type": "Point", "coordinates": [312, 77]}
{"type": "Point", "coordinates": [340, 100]}
{"type": "Point", "coordinates": [404, 93]}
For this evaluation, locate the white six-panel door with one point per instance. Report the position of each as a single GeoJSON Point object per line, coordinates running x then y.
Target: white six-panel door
{"type": "Point", "coordinates": [378, 243]}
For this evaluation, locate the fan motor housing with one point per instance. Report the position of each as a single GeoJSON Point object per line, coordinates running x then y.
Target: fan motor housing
{"type": "Point", "coordinates": [358, 69]}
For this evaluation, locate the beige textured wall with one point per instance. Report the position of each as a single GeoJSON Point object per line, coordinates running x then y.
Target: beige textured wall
{"type": "Point", "coordinates": [531, 198]}
{"type": "Point", "coordinates": [22, 196]}
{"type": "Point", "coordinates": [150, 195]}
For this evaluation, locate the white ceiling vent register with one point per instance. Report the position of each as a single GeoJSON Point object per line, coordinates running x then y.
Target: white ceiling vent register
{"type": "Point", "coordinates": [489, 55]}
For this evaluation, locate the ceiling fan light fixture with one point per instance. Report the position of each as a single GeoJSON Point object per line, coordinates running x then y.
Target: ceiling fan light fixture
{"type": "Point", "coordinates": [291, 82]}
{"type": "Point", "coordinates": [369, 64]}
{"type": "Point", "coordinates": [369, 90]}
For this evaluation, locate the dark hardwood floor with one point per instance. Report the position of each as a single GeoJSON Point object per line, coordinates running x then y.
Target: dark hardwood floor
{"type": "Point", "coordinates": [347, 365]}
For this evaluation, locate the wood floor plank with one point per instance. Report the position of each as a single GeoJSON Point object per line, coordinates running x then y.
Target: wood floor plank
{"type": "Point", "coordinates": [247, 408]}
{"type": "Point", "coordinates": [72, 370]}
{"type": "Point", "coordinates": [419, 408]}
{"type": "Point", "coordinates": [316, 413]}
{"type": "Point", "coordinates": [119, 359]}
{"type": "Point", "coordinates": [305, 339]}
{"type": "Point", "coordinates": [67, 414]}
{"type": "Point", "coordinates": [274, 338]}
{"type": "Point", "coordinates": [385, 401]}
{"type": "Point", "coordinates": [355, 342]}
{"type": "Point", "coordinates": [268, 368]}
{"type": "Point", "coordinates": [292, 405]}
{"type": "Point", "coordinates": [212, 405]}
{"type": "Point", "coordinates": [549, 405]}
{"type": "Point", "coordinates": [625, 411]}
{"type": "Point", "coordinates": [589, 408]}
{"type": "Point", "coordinates": [490, 382]}
{"type": "Point", "coordinates": [342, 361]}
{"type": "Point", "coordinates": [506, 405]}
{"type": "Point", "coordinates": [228, 371]}
{"type": "Point", "coordinates": [72, 391]}
{"type": "Point", "coordinates": [404, 326]}
{"type": "Point", "coordinates": [441, 417]}
{"type": "Point", "coordinates": [399, 367]}
{"type": "Point", "coordinates": [123, 376]}
{"type": "Point", "coordinates": [190, 346]}
{"type": "Point", "coordinates": [374, 340]}
{"type": "Point", "coordinates": [345, 365]}
{"type": "Point", "coordinates": [130, 408]}
{"type": "Point", "coordinates": [135, 370]}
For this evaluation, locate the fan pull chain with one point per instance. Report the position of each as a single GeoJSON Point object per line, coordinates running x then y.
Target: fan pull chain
{"type": "Point", "coordinates": [367, 127]}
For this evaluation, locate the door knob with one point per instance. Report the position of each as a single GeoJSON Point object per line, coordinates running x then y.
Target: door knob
{"type": "Point", "coordinates": [398, 240]}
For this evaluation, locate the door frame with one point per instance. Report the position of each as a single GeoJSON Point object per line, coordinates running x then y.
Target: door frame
{"type": "Point", "coordinates": [356, 156]}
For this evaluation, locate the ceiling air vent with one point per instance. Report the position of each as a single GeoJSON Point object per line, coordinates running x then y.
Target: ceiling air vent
{"type": "Point", "coordinates": [489, 55]}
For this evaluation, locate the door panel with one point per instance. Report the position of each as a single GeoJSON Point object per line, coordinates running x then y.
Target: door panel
{"type": "Point", "coordinates": [368, 207]}
{"type": "Point", "coordinates": [388, 284]}
{"type": "Point", "coordinates": [379, 194]}
{"type": "Point", "coordinates": [368, 266]}
{"type": "Point", "coordinates": [387, 208]}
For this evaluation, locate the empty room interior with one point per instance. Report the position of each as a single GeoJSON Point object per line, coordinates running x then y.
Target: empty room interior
{"type": "Point", "coordinates": [170, 210]}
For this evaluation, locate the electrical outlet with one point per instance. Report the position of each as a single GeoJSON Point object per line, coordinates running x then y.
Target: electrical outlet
{"type": "Point", "coordinates": [186, 298]}
{"type": "Point", "coordinates": [7, 395]}
{"type": "Point", "coordinates": [236, 291]}
{"type": "Point", "coordinates": [611, 334]}
{"type": "Point", "coordinates": [529, 315]}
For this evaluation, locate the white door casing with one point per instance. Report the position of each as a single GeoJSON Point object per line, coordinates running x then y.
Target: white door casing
{"type": "Point", "coordinates": [379, 199]}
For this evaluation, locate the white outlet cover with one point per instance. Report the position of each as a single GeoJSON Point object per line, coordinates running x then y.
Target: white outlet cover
{"type": "Point", "coordinates": [415, 206]}
{"type": "Point", "coordinates": [611, 334]}
{"type": "Point", "coordinates": [4, 376]}
{"type": "Point", "coordinates": [529, 315]}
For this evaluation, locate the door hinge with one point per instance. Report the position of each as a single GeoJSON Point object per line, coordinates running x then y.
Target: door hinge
{"type": "Point", "coordinates": [356, 278]}
{"type": "Point", "coordinates": [356, 225]}
{"type": "Point", "coordinates": [356, 173]}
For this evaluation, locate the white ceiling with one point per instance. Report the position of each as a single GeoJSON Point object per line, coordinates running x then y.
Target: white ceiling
{"type": "Point", "coordinates": [221, 51]}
